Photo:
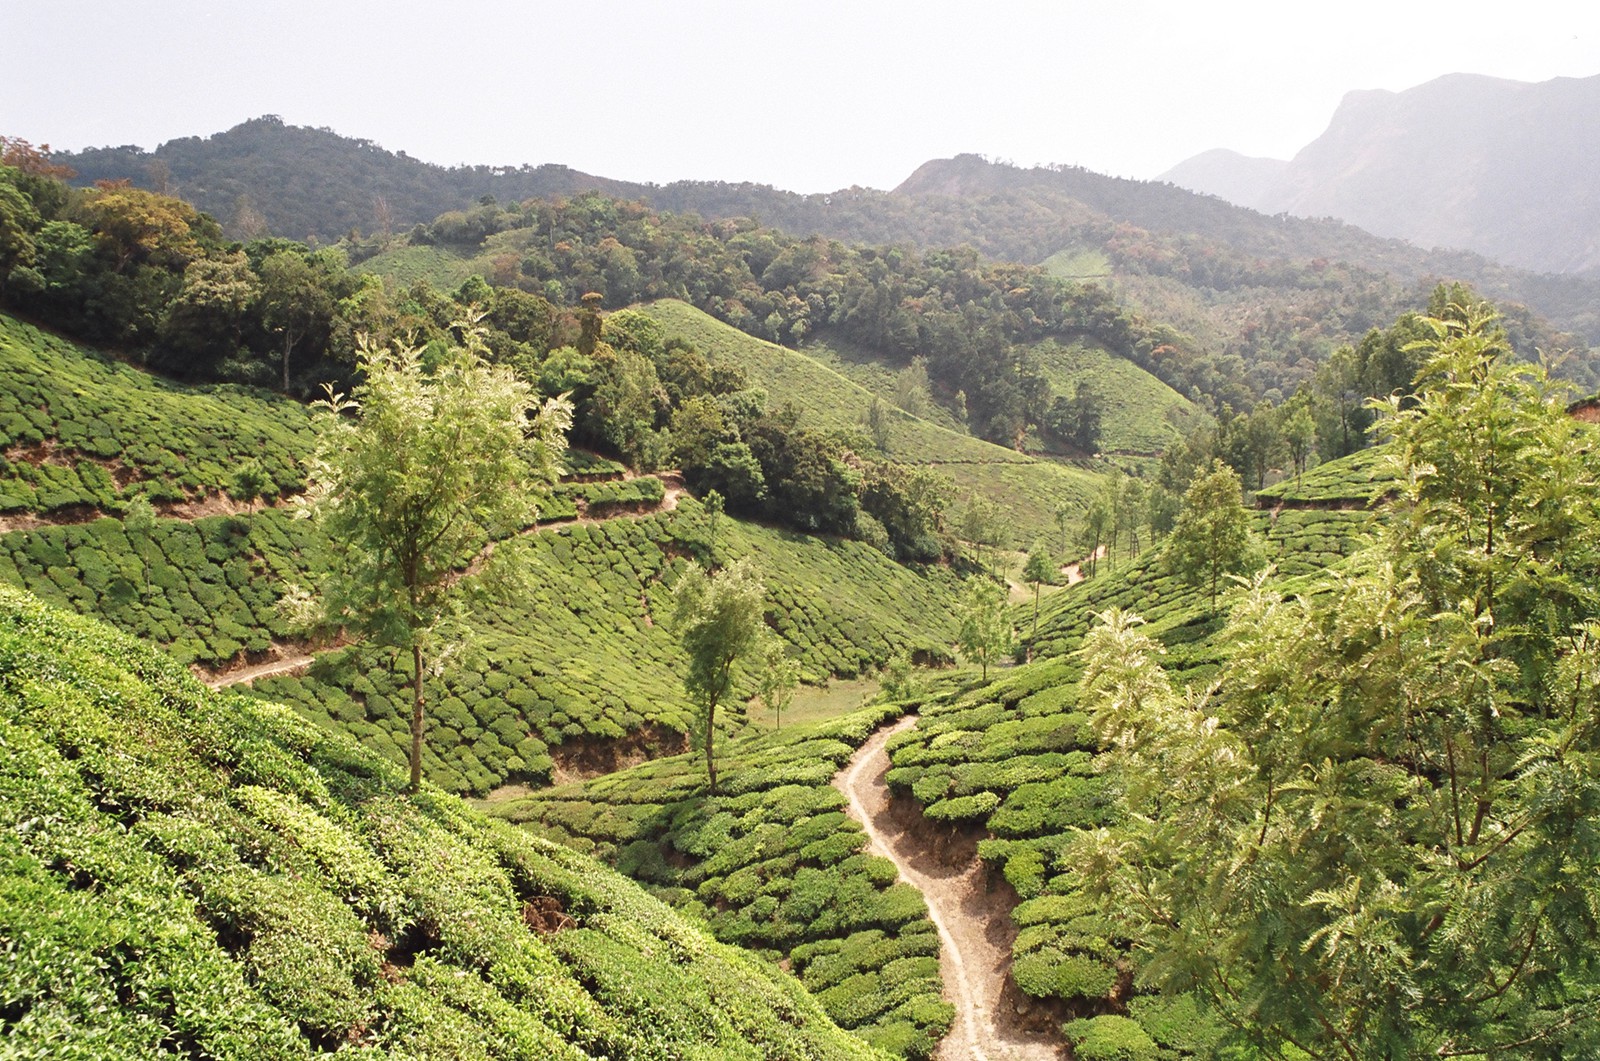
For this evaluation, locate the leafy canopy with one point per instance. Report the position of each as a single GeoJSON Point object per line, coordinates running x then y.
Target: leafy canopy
{"type": "Point", "coordinates": [413, 476]}
{"type": "Point", "coordinates": [1375, 835]}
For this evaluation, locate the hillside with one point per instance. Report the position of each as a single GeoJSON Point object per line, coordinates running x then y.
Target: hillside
{"type": "Point", "coordinates": [264, 176]}
{"type": "Point", "coordinates": [1211, 247]}
{"type": "Point", "coordinates": [1028, 489]}
{"type": "Point", "coordinates": [209, 874]}
{"type": "Point", "coordinates": [582, 668]}
{"type": "Point", "coordinates": [1503, 168]}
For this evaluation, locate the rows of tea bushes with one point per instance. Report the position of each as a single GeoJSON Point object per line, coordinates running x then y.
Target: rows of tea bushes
{"type": "Point", "coordinates": [773, 864]}
{"type": "Point", "coordinates": [587, 656]}
{"type": "Point", "coordinates": [184, 873]}
{"type": "Point", "coordinates": [80, 430]}
{"type": "Point", "coordinates": [1014, 759]}
{"type": "Point", "coordinates": [601, 497]}
{"type": "Point", "coordinates": [1349, 482]}
{"type": "Point", "coordinates": [205, 590]}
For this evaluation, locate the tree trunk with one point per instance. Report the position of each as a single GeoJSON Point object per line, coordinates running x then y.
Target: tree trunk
{"type": "Point", "coordinates": [416, 719]}
{"type": "Point", "coordinates": [711, 738]}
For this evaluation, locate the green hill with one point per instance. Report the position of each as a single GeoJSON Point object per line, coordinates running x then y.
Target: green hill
{"type": "Point", "coordinates": [186, 873]}
{"type": "Point", "coordinates": [1141, 415]}
{"type": "Point", "coordinates": [1028, 490]}
{"type": "Point", "coordinates": [80, 431]}
{"type": "Point", "coordinates": [580, 664]}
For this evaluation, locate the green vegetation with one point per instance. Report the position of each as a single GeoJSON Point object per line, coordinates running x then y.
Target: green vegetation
{"type": "Point", "coordinates": [585, 655]}
{"type": "Point", "coordinates": [206, 591]}
{"type": "Point", "coordinates": [1139, 413]}
{"type": "Point", "coordinates": [1409, 757]}
{"type": "Point", "coordinates": [717, 617]}
{"type": "Point", "coordinates": [84, 431]}
{"type": "Point", "coordinates": [772, 864]}
{"type": "Point", "coordinates": [1028, 489]}
{"type": "Point", "coordinates": [412, 476]}
{"type": "Point", "coordinates": [190, 872]}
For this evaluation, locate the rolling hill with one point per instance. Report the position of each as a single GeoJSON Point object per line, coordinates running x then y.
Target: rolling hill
{"type": "Point", "coordinates": [206, 874]}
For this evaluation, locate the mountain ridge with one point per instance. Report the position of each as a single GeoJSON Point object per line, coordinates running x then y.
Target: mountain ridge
{"type": "Point", "coordinates": [1500, 167]}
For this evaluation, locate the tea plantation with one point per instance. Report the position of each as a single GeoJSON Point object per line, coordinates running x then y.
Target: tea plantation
{"type": "Point", "coordinates": [184, 873]}
{"type": "Point", "coordinates": [585, 657]}
{"type": "Point", "coordinates": [772, 864]}
{"type": "Point", "coordinates": [99, 432]}
{"type": "Point", "coordinates": [1027, 489]}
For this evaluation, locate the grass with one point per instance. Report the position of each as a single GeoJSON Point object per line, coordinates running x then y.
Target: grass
{"type": "Point", "coordinates": [816, 703]}
{"type": "Point", "coordinates": [1079, 263]}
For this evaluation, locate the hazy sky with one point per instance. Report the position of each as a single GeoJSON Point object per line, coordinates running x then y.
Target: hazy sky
{"type": "Point", "coordinates": [809, 96]}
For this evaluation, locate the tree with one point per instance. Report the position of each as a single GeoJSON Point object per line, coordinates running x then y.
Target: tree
{"type": "Point", "coordinates": [413, 475]}
{"type": "Point", "coordinates": [718, 619]}
{"type": "Point", "coordinates": [1212, 535]}
{"type": "Point", "coordinates": [1299, 433]}
{"type": "Point", "coordinates": [1039, 569]}
{"type": "Point", "coordinates": [1373, 837]}
{"type": "Point", "coordinates": [294, 302]}
{"type": "Point", "coordinates": [985, 631]}
{"type": "Point", "coordinates": [878, 423]}
{"type": "Point", "coordinates": [911, 387]}
{"type": "Point", "coordinates": [778, 676]}
{"type": "Point", "coordinates": [980, 523]}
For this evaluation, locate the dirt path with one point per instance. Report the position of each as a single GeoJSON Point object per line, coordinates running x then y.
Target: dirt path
{"type": "Point", "coordinates": [292, 664]}
{"type": "Point", "coordinates": [975, 936]}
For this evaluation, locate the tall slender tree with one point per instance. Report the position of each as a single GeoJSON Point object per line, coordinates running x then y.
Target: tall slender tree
{"type": "Point", "coordinates": [415, 475]}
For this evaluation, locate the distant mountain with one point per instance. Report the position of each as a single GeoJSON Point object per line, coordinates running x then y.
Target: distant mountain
{"type": "Point", "coordinates": [298, 182]}
{"type": "Point", "coordinates": [1284, 289]}
{"type": "Point", "coordinates": [1508, 169]}
{"type": "Point", "coordinates": [1242, 179]}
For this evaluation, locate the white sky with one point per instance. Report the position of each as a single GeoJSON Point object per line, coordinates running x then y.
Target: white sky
{"type": "Point", "coordinates": [808, 96]}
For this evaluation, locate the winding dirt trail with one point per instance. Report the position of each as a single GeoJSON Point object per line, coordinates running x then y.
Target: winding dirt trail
{"type": "Point", "coordinates": [975, 935]}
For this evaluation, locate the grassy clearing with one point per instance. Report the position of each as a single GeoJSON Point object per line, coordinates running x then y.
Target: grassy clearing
{"type": "Point", "coordinates": [1079, 263]}
{"type": "Point", "coordinates": [816, 703]}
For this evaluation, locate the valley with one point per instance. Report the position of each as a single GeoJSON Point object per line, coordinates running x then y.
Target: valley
{"type": "Point", "coordinates": [1184, 648]}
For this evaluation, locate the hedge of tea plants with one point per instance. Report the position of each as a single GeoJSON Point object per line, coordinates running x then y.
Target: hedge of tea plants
{"type": "Point", "coordinates": [77, 429]}
{"type": "Point", "coordinates": [587, 655]}
{"type": "Point", "coordinates": [184, 873]}
{"type": "Point", "coordinates": [772, 863]}
{"type": "Point", "coordinates": [205, 590]}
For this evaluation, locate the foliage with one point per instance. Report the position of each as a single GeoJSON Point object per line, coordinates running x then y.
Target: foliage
{"type": "Point", "coordinates": [1375, 827]}
{"type": "Point", "coordinates": [82, 431]}
{"type": "Point", "coordinates": [985, 627]}
{"type": "Point", "coordinates": [1212, 535]}
{"type": "Point", "coordinates": [429, 470]}
{"type": "Point", "coordinates": [187, 871]}
{"type": "Point", "coordinates": [773, 864]}
{"type": "Point", "coordinates": [717, 618]}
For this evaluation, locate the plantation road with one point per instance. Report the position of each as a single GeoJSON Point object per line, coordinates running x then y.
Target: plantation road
{"type": "Point", "coordinates": [975, 934]}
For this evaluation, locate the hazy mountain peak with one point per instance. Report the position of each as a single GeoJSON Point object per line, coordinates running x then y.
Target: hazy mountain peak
{"type": "Point", "coordinates": [1505, 168]}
